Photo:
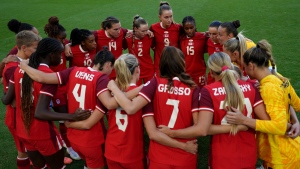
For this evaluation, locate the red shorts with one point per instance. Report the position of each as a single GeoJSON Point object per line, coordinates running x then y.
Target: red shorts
{"type": "Point", "coordinates": [19, 145]}
{"type": "Point", "coordinates": [60, 98]}
{"type": "Point", "coordinates": [45, 147]}
{"type": "Point", "coordinates": [93, 156]}
{"type": "Point", "coordinates": [154, 165]}
{"type": "Point", "coordinates": [116, 165]}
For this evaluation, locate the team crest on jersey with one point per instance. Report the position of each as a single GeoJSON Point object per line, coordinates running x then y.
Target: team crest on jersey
{"type": "Point", "coordinates": [217, 49]}
{"type": "Point", "coordinates": [57, 101]}
{"type": "Point", "coordinates": [87, 56]}
{"type": "Point", "coordinates": [146, 84]}
{"type": "Point", "coordinates": [166, 34]}
{"type": "Point", "coordinates": [140, 45]}
{"type": "Point", "coordinates": [191, 42]}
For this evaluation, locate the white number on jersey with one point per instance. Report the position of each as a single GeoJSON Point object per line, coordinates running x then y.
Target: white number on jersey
{"type": "Point", "coordinates": [175, 111]}
{"type": "Point", "coordinates": [248, 108]}
{"type": "Point", "coordinates": [79, 98]}
{"type": "Point", "coordinates": [190, 50]}
{"type": "Point", "coordinates": [166, 41]}
{"type": "Point", "coordinates": [140, 51]}
{"type": "Point", "coordinates": [112, 45]}
{"type": "Point", "coordinates": [87, 62]}
{"type": "Point", "coordinates": [123, 117]}
{"type": "Point", "coordinates": [61, 61]}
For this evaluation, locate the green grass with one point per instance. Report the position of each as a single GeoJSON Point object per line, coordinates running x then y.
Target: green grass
{"type": "Point", "coordinates": [274, 20]}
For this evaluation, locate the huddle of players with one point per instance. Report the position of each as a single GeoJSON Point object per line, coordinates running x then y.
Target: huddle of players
{"type": "Point", "coordinates": [171, 100]}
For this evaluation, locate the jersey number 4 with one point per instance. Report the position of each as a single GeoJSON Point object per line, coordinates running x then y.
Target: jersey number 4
{"type": "Point", "coordinates": [79, 98]}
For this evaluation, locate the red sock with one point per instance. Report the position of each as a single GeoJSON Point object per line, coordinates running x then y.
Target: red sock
{"type": "Point", "coordinates": [23, 163]}
{"type": "Point", "coordinates": [63, 133]}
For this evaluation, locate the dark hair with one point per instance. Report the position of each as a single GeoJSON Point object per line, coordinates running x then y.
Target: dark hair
{"type": "Point", "coordinates": [17, 26]}
{"type": "Point", "coordinates": [104, 56]}
{"type": "Point", "coordinates": [79, 35]}
{"type": "Point", "coordinates": [107, 23]}
{"type": "Point", "coordinates": [215, 24]}
{"type": "Point", "coordinates": [164, 5]}
{"type": "Point", "coordinates": [187, 19]}
{"type": "Point", "coordinates": [172, 65]}
{"type": "Point", "coordinates": [53, 28]}
{"type": "Point", "coordinates": [231, 27]}
{"type": "Point", "coordinates": [261, 55]}
{"type": "Point", "coordinates": [46, 47]}
{"type": "Point", "coordinates": [137, 22]}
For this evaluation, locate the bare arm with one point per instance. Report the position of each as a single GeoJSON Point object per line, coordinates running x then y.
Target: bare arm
{"type": "Point", "coordinates": [88, 123]}
{"type": "Point", "coordinates": [43, 113]}
{"type": "Point", "coordinates": [163, 139]}
{"type": "Point", "coordinates": [9, 96]}
{"type": "Point", "coordinates": [39, 76]}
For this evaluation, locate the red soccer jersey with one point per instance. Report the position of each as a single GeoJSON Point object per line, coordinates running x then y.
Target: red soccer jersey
{"type": "Point", "coordinates": [141, 49]}
{"type": "Point", "coordinates": [39, 129]}
{"type": "Point", "coordinates": [116, 46]}
{"type": "Point", "coordinates": [63, 61]}
{"type": "Point", "coordinates": [7, 73]}
{"type": "Point", "coordinates": [163, 37]}
{"type": "Point", "coordinates": [124, 140]}
{"type": "Point", "coordinates": [84, 85]}
{"type": "Point", "coordinates": [228, 151]}
{"type": "Point", "coordinates": [193, 49]}
{"type": "Point", "coordinates": [13, 51]}
{"type": "Point", "coordinates": [212, 48]}
{"type": "Point", "coordinates": [174, 109]}
{"type": "Point", "coordinates": [82, 58]}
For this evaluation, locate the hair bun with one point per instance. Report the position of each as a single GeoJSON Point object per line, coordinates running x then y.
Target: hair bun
{"type": "Point", "coordinates": [14, 25]}
{"type": "Point", "coordinates": [105, 48]}
{"type": "Point", "coordinates": [164, 3]}
{"type": "Point", "coordinates": [236, 23]}
{"type": "Point", "coordinates": [53, 20]}
{"type": "Point", "coordinates": [136, 17]}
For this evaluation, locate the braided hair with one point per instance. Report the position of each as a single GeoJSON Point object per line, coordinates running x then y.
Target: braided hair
{"type": "Point", "coordinates": [79, 35]}
{"type": "Point", "coordinates": [104, 56]}
{"type": "Point", "coordinates": [45, 48]}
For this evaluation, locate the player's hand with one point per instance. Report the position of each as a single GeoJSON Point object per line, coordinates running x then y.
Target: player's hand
{"type": "Point", "coordinates": [294, 131]}
{"type": "Point", "coordinates": [10, 58]}
{"type": "Point", "coordinates": [68, 51]}
{"type": "Point", "coordinates": [111, 84]}
{"type": "Point", "coordinates": [191, 146]}
{"type": "Point", "coordinates": [165, 129]}
{"type": "Point", "coordinates": [23, 63]}
{"type": "Point", "coordinates": [67, 124]}
{"type": "Point", "coordinates": [129, 34]}
{"type": "Point", "coordinates": [150, 34]}
{"type": "Point", "coordinates": [13, 103]}
{"type": "Point", "coordinates": [80, 114]}
{"type": "Point", "coordinates": [235, 117]}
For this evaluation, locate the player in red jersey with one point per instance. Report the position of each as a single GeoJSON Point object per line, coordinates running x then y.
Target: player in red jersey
{"type": "Point", "coordinates": [216, 99]}
{"type": "Point", "coordinates": [192, 44]}
{"type": "Point", "coordinates": [175, 100]}
{"type": "Point", "coordinates": [139, 45]}
{"type": "Point", "coordinates": [40, 137]}
{"type": "Point", "coordinates": [166, 32]}
{"type": "Point", "coordinates": [27, 42]}
{"type": "Point", "coordinates": [83, 47]}
{"type": "Point", "coordinates": [16, 27]}
{"type": "Point", "coordinates": [55, 30]}
{"type": "Point", "coordinates": [113, 36]}
{"type": "Point", "coordinates": [213, 44]}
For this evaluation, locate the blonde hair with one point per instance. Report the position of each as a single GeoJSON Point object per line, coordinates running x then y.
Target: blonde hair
{"type": "Point", "coordinates": [125, 66]}
{"type": "Point", "coordinates": [220, 64]}
{"type": "Point", "coordinates": [26, 38]}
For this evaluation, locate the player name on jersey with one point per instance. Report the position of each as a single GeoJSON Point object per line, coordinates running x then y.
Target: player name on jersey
{"type": "Point", "coordinates": [221, 90]}
{"type": "Point", "coordinates": [174, 90]}
{"type": "Point", "coordinates": [84, 75]}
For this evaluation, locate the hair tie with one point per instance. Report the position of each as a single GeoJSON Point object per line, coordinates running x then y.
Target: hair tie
{"type": "Point", "coordinates": [257, 46]}
{"type": "Point", "coordinates": [224, 68]}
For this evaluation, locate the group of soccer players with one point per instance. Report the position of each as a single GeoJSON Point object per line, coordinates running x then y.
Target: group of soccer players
{"type": "Point", "coordinates": [243, 103]}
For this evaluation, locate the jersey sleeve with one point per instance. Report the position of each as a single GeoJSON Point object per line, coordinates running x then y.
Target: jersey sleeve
{"type": "Point", "coordinates": [275, 109]}
{"type": "Point", "coordinates": [257, 100]}
{"type": "Point", "coordinates": [12, 79]}
{"type": "Point", "coordinates": [148, 110]}
{"type": "Point", "coordinates": [8, 73]}
{"type": "Point", "coordinates": [101, 107]}
{"type": "Point", "coordinates": [195, 100]}
{"type": "Point", "coordinates": [206, 102]}
{"type": "Point", "coordinates": [63, 76]}
{"type": "Point", "coordinates": [148, 91]}
{"type": "Point", "coordinates": [48, 89]}
{"type": "Point", "coordinates": [102, 84]}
